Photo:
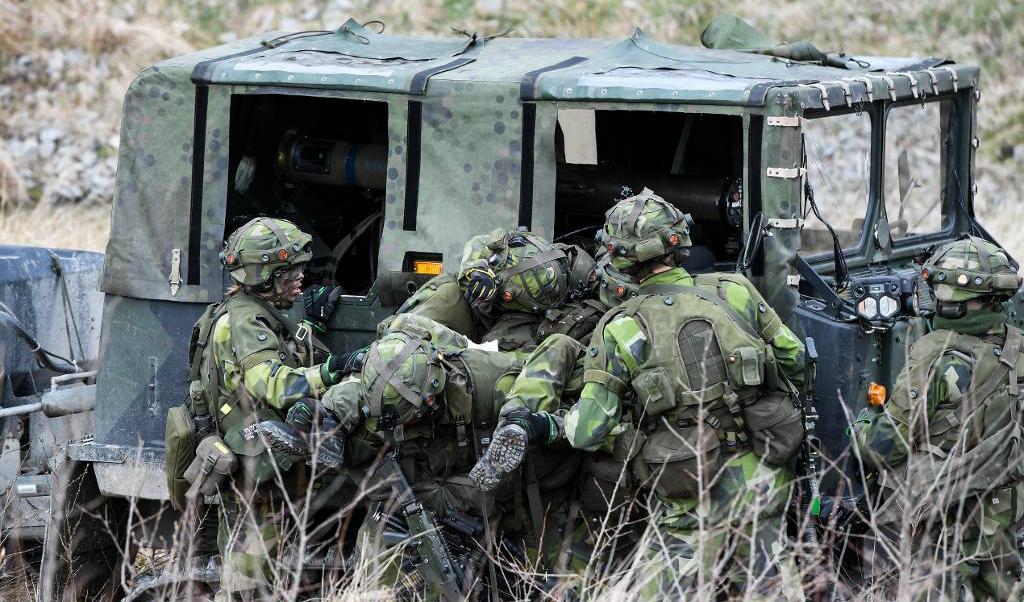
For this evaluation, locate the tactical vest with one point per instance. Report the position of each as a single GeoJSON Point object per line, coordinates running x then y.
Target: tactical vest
{"type": "Point", "coordinates": [576, 320]}
{"type": "Point", "coordinates": [236, 415]}
{"type": "Point", "coordinates": [710, 381]}
{"type": "Point", "coordinates": [973, 445]}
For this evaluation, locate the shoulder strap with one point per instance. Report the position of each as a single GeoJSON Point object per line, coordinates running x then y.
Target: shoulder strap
{"type": "Point", "coordinates": [1005, 369]}
{"type": "Point", "coordinates": [673, 289]}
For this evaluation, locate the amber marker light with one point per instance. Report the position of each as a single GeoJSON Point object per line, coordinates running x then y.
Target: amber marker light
{"type": "Point", "coordinates": [876, 395]}
{"type": "Point", "coordinates": [422, 266]}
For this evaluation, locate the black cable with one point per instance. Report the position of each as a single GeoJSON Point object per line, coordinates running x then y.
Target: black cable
{"type": "Point", "coordinates": [842, 274]}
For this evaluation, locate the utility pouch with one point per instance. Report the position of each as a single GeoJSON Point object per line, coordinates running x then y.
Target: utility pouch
{"type": "Point", "coordinates": [180, 443]}
{"type": "Point", "coordinates": [680, 462]}
{"type": "Point", "coordinates": [654, 395]}
{"type": "Point", "coordinates": [213, 462]}
{"type": "Point", "coordinates": [746, 367]}
{"type": "Point", "coordinates": [607, 483]}
{"type": "Point", "coordinates": [776, 427]}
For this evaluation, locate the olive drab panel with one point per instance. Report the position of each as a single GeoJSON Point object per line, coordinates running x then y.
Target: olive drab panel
{"type": "Point", "coordinates": [781, 199]}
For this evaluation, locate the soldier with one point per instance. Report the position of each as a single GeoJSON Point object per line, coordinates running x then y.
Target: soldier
{"type": "Point", "coordinates": [428, 394]}
{"type": "Point", "coordinates": [249, 365]}
{"type": "Point", "coordinates": [945, 447]}
{"type": "Point", "coordinates": [513, 287]}
{"type": "Point", "coordinates": [691, 383]}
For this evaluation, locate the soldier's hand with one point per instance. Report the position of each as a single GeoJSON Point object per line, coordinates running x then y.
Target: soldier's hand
{"type": "Point", "coordinates": [540, 427]}
{"type": "Point", "coordinates": [481, 284]}
{"type": "Point", "coordinates": [319, 303]}
{"type": "Point", "coordinates": [346, 363]}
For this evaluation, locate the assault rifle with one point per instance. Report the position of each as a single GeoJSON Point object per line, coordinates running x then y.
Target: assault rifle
{"type": "Point", "coordinates": [810, 453]}
{"type": "Point", "coordinates": [809, 465]}
{"type": "Point", "coordinates": [437, 566]}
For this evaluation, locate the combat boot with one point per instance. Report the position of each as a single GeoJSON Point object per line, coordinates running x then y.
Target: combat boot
{"type": "Point", "coordinates": [520, 429]}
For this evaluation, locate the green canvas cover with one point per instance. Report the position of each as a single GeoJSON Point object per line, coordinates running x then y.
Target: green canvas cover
{"type": "Point", "coordinates": [353, 57]}
{"type": "Point", "coordinates": [639, 69]}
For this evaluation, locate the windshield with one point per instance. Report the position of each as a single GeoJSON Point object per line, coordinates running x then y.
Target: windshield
{"type": "Point", "coordinates": [915, 153]}
{"type": "Point", "coordinates": [839, 170]}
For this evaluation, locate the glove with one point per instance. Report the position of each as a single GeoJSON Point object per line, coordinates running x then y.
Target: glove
{"type": "Point", "coordinates": [541, 428]}
{"type": "Point", "coordinates": [337, 367]}
{"type": "Point", "coordinates": [481, 284]}
{"type": "Point", "coordinates": [319, 303]}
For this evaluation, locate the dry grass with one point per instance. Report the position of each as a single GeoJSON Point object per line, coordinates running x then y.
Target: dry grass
{"type": "Point", "coordinates": [120, 38]}
{"type": "Point", "coordinates": [62, 226]}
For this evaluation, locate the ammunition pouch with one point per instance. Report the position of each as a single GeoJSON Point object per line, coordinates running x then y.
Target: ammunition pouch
{"type": "Point", "coordinates": [180, 438]}
{"type": "Point", "coordinates": [212, 463]}
{"type": "Point", "coordinates": [680, 462]}
{"type": "Point", "coordinates": [776, 427]}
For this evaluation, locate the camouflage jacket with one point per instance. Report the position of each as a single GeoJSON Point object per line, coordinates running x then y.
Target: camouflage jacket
{"type": "Point", "coordinates": [943, 435]}
{"type": "Point", "coordinates": [254, 350]}
{"type": "Point", "coordinates": [590, 423]}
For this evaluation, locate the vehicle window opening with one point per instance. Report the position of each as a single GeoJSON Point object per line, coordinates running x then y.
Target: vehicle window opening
{"type": "Point", "coordinates": [916, 160]}
{"type": "Point", "coordinates": [321, 163]}
{"type": "Point", "coordinates": [693, 160]}
{"type": "Point", "coordinates": [838, 161]}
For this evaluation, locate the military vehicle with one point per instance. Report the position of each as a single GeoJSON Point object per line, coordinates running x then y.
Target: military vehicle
{"type": "Point", "coordinates": [822, 176]}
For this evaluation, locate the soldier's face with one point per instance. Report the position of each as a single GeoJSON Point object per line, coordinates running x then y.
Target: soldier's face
{"type": "Point", "coordinates": [291, 284]}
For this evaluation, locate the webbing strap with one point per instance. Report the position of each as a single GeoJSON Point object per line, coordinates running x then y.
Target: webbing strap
{"type": "Point", "coordinates": [638, 208]}
{"type": "Point", "coordinates": [1007, 364]}
{"type": "Point", "coordinates": [536, 260]}
{"type": "Point", "coordinates": [983, 257]}
{"type": "Point", "coordinates": [672, 289]}
{"type": "Point", "coordinates": [385, 376]}
{"type": "Point", "coordinates": [282, 240]}
{"type": "Point", "coordinates": [533, 499]}
{"type": "Point", "coordinates": [606, 379]}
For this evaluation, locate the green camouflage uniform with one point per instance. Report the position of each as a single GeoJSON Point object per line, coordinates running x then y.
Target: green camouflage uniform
{"type": "Point", "coordinates": [964, 515]}
{"type": "Point", "coordinates": [540, 288]}
{"type": "Point", "coordinates": [740, 516]}
{"type": "Point", "coordinates": [439, 441]}
{"type": "Point", "coordinates": [260, 370]}
{"type": "Point", "coordinates": [595, 421]}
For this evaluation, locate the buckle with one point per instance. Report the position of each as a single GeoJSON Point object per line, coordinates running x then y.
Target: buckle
{"type": "Point", "coordinates": [303, 332]}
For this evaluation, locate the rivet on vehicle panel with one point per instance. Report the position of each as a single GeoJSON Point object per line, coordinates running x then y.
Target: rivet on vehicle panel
{"type": "Point", "coordinates": [668, 301]}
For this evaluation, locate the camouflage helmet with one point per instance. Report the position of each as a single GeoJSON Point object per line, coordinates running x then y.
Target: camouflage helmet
{"type": "Point", "coordinates": [642, 228]}
{"type": "Point", "coordinates": [263, 246]}
{"type": "Point", "coordinates": [969, 268]}
{"type": "Point", "coordinates": [401, 378]}
{"type": "Point", "coordinates": [533, 275]}
{"type": "Point", "coordinates": [582, 271]}
{"type": "Point", "coordinates": [614, 286]}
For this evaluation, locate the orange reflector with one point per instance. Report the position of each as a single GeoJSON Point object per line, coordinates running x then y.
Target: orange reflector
{"type": "Point", "coordinates": [876, 395]}
{"type": "Point", "coordinates": [422, 266]}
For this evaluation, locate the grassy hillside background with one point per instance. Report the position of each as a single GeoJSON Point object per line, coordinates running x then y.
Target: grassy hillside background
{"type": "Point", "coordinates": [64, 67]}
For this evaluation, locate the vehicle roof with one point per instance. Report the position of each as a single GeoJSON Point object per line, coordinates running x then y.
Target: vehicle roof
{"type": "Point", "coordinates": [637, 68]}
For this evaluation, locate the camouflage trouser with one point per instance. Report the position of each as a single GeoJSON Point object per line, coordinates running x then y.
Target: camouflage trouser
{"type": "Point", "coordinates": [248, 537]}
{"type": "Point", "coordinates": [746, 559]}
{"type": "Point", "coordinates": [986, 565]}
{"type": "Point", "coordinates": [732, 541]}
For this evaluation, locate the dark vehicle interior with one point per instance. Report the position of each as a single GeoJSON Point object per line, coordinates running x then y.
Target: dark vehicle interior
{"type": "Point", "coordinates": [693, 160]}
{"type": "Point", "coordinates": [321, 163]}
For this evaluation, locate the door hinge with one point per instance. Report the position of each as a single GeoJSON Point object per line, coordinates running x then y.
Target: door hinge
{"type": "Point", "coordinates": [786, 173]}
{"type": "Point", "coordinates": [785, 122]}
{"type": "Point", "coordinates": [174, 278]}
{"type": "Point", "coordinates": [785, 224]}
